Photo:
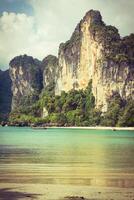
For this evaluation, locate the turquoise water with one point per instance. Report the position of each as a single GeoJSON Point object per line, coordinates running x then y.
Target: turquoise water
{"type": "Point", "coordinates": [66, 156]}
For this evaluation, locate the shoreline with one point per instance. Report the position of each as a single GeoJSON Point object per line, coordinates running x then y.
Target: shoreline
{"type": "Point", "coordinates": [63, 192]}
{"type": "Point", "coordinates": [74, 127]}
{"type": "Point", "coordinates": [88, 128]}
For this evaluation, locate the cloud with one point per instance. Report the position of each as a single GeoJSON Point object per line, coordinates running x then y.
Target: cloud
{"type": "Point", "coordinates": [14, 35]}
{"type": "Point", "coordinates": [66, 14]}
{"type": "Point", "coordinates": [18, 35]}
{"type": "Point", "coordinates": [53, 22]}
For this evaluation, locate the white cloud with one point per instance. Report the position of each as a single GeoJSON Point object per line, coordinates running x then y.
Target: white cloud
{"type": "Point", "coordinates": [18, 35]}
{"type": "Point", "coordinates": [66, 14]}
{"type": "Point", "coordinates": [53, 22]}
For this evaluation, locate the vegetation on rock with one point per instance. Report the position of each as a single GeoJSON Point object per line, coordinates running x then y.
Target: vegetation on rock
{"type": "Point", "coordinates": [95, 51]}
{"type": "Point", "coordinates": [76, 108]}
{"type": "Point", "coordinates": [5, 94]}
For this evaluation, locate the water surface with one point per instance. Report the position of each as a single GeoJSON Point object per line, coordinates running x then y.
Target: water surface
{"type": "Point", "coordinates": [67, 156]}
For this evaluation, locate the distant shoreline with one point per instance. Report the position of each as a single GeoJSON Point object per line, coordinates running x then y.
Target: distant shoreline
{"type": "Point", "coordinates": [73, 127]}
{"type": "Point", "coordinates": [88, 128]}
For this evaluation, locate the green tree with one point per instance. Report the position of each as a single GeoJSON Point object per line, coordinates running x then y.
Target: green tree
{"type": "Point", "coordinates": [127, 115]}
{"type": "Point", "coordinates": [110, 118]}
{"type": "Point", "coordinates": [90, 100]}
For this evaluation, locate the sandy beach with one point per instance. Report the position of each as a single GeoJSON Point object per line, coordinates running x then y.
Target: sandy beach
{"type": "Point", "coordinates": [91, 128]}
{"type": "Point", "coordinates": [63, 192]}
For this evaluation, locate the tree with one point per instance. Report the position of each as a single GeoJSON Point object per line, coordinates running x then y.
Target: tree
{"type": "Point", "coordinates": [127, 115]}
{"type": "Point", "coordinates": [90, 100]}
{"type": "Point", "coordinates": [110, 118]}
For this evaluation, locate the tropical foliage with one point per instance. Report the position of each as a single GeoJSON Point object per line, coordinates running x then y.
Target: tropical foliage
{"type": "Point", "coordinates": [76, 108]}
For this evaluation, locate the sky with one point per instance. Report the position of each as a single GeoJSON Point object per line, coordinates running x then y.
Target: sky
{"type": "Point", "coordinates": [37, 27]}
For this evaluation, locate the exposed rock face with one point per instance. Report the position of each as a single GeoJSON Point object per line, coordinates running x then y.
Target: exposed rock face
{"type": "Point", "coordinates": [44, 113]}
{"type": "Point", "coordinates": [29, 76]}
{"type": "Point", "coordinates": [96, 51]}
{"type": "Point", "coordinates": [50, 68]}
{"type": "Point", "coordinates": [5, 94]}
{"type": "Point", "coordinates": [26, 78]}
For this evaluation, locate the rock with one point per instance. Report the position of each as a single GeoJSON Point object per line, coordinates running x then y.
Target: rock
{"type": "Point", "coordinates": [29, 76]}
{"type": "Point", "coordinates": [50, 67]}
{"type": "Point", "coordinates": [75, 198]}
{"type": "Point", "coordinates": [5, 94]}
{"type": "Point", "coordinates": [45, 112]}
{"type": "Point", "coordinates": [26, 75]}
{"type": "Point", "coordinates": [96, 52]}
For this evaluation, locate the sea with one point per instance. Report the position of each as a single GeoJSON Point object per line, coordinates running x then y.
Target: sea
{"type": "Point", "coordinates": [67, 156]}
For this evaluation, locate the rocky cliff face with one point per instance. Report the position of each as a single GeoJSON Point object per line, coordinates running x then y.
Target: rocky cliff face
{"type": "Point", "coordinates": [96, 52]}
{"type": "Point", "coordinates": [26, 76]}
{"type": "Point", "coordinates": [5, 94]}
{"type": "Point", "coordinates": [49, 68]}
{"type": "Point", "coordinates": [29, 76]}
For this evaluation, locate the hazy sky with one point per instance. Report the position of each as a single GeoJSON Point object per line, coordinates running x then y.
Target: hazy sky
{"type": "Point", "coordinates": [37, 27]}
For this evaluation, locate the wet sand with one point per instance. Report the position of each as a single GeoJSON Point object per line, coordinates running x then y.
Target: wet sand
{"type": "Point", "coordinates": [63, 192]}
{"type": "Point", "coordinates": [66, 164]}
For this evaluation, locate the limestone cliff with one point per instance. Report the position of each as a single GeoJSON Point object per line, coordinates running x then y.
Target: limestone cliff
{"type": "Point", "coordinates": [94, 52]}
{"type": "Point", "coordinates": [97, 52]}
{"type": "Point", "coordinates": [5, 94]}
{"type": "Point", "coordinates": [29, 76]}
{"type": "Point", "coordinates": [49, 67]}
{"type": "Point", "coordinates": [26, 78]}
